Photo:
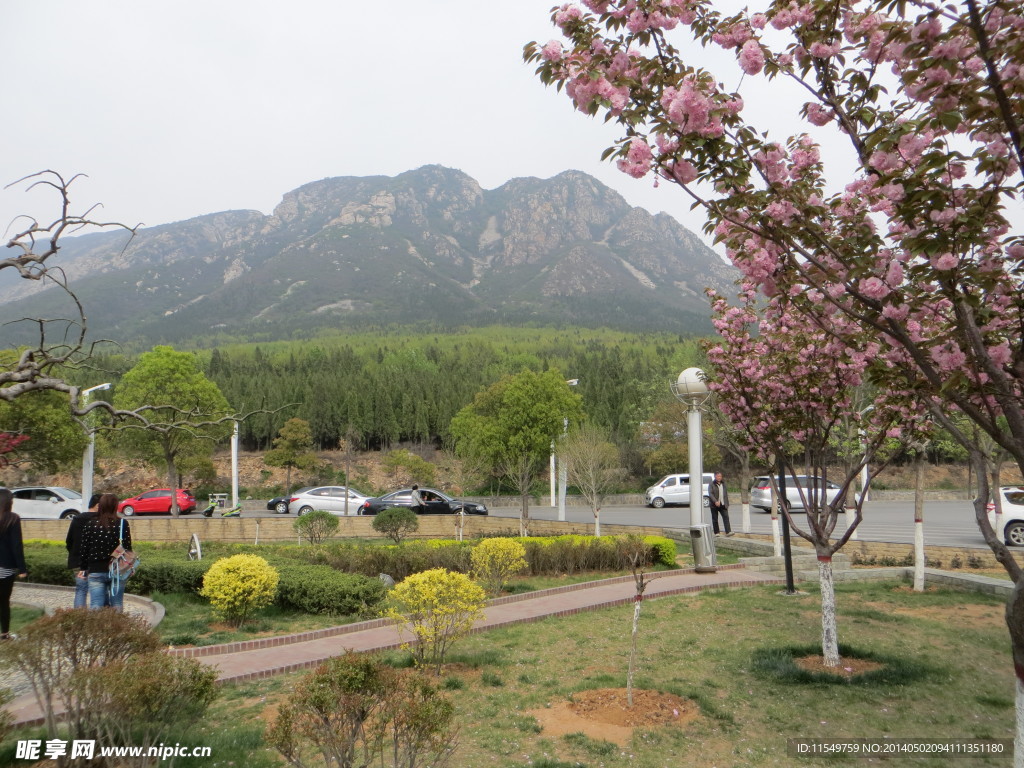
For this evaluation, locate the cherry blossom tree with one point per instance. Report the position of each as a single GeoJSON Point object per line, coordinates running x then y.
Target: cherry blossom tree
{"type": "Point", "coordinates": [915, 251]}
{"type": "Point", "coordinates": [788, 387]}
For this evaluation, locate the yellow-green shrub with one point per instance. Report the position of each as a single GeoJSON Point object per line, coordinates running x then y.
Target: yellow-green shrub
{"type": "Point", "coordinates": [439, 607]}
{"type": "Point", "coordinates": [495, 561]}
{"type": "Point", "coordinates": [238, 585]}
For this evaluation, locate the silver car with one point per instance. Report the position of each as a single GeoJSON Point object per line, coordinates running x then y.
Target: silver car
{"type": "Point", "coordinates": [330, 498]}
{"type": "Point", "coordinates": [1011, 523]}
{"type": "Point", "coordinates": [675, 489]}
{"type": "Point", "coordinates": [47, 503]}
{"type": "Point", "coordinates": [797, 489]}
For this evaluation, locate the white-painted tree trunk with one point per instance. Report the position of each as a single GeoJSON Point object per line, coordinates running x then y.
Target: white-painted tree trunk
{"type": "Point", "coordinates": [1018, 739]}
{"type": "Point", "coordinates": [597, 522]}
{"type": "Point", "coordinates": [829, 630]}
{"type": "Point", "coordinates": [746, 517]}
{"type": "Point", "coordinates": [776, 536]}
{"type": "Point", "coordinates": [919, 556]}
{"type": "Point", "coordinates": [637, 604]}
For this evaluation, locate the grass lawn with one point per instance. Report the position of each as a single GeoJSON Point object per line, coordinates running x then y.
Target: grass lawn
{"type": "Point", "coordinates": [699, 647]}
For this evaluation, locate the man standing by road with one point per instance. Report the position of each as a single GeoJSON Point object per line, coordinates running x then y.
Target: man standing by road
{"type": "Point", "coordinates": [718, 497]}
{"type": "Point", "coordinates": [417, 500]}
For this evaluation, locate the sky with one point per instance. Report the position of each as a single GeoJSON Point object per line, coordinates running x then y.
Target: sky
{"type": "Point", "coordinates": [177, 109]}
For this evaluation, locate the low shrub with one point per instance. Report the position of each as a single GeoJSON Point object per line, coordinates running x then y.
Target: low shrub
{"type": "Point", "coordinates": [396, 523]}
{"type": "Point", "coordinates": [316, 526]}
{"type": "Point", "coordinates": [237, 586]}
{"type": "Point", "coordinates": [320, 589]}
{"type": "Point", "coordinates": [495, 561]}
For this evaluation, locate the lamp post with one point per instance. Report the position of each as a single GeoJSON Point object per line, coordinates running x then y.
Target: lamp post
{"type": "Point", "coordinates": [88, 457]}
{"type": "Point", "coordinates": [563, 475]}
{"type": "Point", "coordinates": [691, 388]}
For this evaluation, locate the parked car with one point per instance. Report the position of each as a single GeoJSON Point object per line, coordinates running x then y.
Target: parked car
{"type": "Point", "coordinates": [761, 491]}
{"type": "Point", "coordinates": [1012, 522]}
{"type": "Point", "coordinates": [46, 503]}
{"type": "Point", "coordinates": [157, 501]}
{"type": "Point", "coordinates": [675, 489]}
{"type": "Point", "coordinates": [330, 498]}
{"type": "Point", "coordinates": [434, 503]}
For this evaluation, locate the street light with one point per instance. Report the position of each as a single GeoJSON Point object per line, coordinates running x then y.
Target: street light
{"type": "Point", "coordinates": [563, 475]}
{"type": "Point", "coordinates": [90, 449]}
{"type": "Point", "coordinates": [691, 388]}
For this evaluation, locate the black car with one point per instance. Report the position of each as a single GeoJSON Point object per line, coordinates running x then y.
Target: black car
{"type": "Point", "coordinates": [279, 504]}
{"type": "Point", "coordinates": [434, 503]}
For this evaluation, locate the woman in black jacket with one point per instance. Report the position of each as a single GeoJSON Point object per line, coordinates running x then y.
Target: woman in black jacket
{"type": "Point", "coordinates": [12, 558]}
{"type": "Point", "coordinates": [99, 538]}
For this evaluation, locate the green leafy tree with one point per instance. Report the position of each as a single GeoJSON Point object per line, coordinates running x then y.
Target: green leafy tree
{"type": "Point", "coordinates": [406, 467]}
{"type": "Point", "coordinates": [396, 523]}
{"type": "Point", "coordinates": [193, 413]}
{"type": "Point", "coordinates": [55, 440]}
{"type": "Point", "coordinates": [293, 449]}
{"type": "Point", "coordinates": [316, 526]}
{"type": "Point", "coordinates": [512, 425]}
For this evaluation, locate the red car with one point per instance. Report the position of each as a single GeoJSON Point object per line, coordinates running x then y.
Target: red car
{"type": "Point", "coordinates": [157, 501]}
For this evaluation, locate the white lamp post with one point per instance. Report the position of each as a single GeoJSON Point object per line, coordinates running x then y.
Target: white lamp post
{"type": "Point", "coordinates": [563, 475]}
{"type": "Point", "coordinates": [90, 449]}
{"type": "Point", "coordinates": [692, 389]}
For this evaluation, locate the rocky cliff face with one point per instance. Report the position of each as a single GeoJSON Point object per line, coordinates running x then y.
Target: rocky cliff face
{"type": "Point", "coordinates": [427, 246]}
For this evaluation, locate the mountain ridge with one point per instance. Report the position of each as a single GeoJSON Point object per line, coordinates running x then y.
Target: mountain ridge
{"type": "Point", "coordinates": [426, 246]}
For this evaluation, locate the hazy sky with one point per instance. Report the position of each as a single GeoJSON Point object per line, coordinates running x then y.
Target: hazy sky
{"type": "Point", "coordinates": [176, 109]}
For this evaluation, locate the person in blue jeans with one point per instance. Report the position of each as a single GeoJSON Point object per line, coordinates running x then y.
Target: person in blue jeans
{"type": "Point", "coordinates": [73, 542]}
{"type": "Point", "coordinates": [12, 559]}
{"type": "Point", "coordinates": [100, 537]}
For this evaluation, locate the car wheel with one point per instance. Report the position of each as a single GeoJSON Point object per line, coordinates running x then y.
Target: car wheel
{"type": "Point", "coordinates": [281, 507]}
{"type": "Point", "coordinates": [304, 511]}
{"type": "Point", "coordinates": [1015, 534]}
{"type": "Point", "coordinates": [706, 502]}
{"type": "Point", "coordinates": [657, 502]}
{"type": "Point", "coordinates": [67, 514]}
{"type": "Point", "coordinates": [128, 511]}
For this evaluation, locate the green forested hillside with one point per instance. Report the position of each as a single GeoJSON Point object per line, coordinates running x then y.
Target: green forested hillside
{"type": "Point", "coordinates": [385, 387]}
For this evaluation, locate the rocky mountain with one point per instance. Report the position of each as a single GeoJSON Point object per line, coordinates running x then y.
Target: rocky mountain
{"type": "Point", "coordinates": [427, 247]}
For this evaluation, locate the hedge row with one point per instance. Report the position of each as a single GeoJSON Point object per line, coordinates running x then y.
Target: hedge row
{"type": "Point", "coordinates": [303, 586]}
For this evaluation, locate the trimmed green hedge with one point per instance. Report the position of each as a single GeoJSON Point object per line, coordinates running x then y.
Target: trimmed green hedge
{"type": "Point", "coordinates": [322, 590]}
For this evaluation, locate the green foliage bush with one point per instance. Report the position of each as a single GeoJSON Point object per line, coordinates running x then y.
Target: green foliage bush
{"type": "Point", "coordinates": [396, 523]}
{"type": "Point", "coordinates": [238, 585]}
{"type": "Point", "coordinates": [322, 590]}
{"type": "Point", "coordinates": [316, 526]}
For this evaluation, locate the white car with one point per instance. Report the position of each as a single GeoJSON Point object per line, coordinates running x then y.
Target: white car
{"type": "Point", "coordinates": [761, 491]}
{"type": "Point", "coordinates": [330, 498]}
{"type": "Point", "coordinates": [675, 489]}
{"type": "Point", "coordinates": [46, 503]}
{"type": "Point", "coordinates": [1011, 523]}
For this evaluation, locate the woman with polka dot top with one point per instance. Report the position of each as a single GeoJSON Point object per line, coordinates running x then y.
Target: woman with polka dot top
{"type": "Point", "coordinates": [100, 537]}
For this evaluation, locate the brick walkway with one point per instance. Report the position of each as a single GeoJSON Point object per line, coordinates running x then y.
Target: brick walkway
{"type": "Point", "coordinates": [255, 659]}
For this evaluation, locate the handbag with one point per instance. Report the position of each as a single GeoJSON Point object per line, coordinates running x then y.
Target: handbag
{"type": "Point", "coordinates": [123, 562]}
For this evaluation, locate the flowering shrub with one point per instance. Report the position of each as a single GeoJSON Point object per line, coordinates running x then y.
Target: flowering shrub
{"type": "Point", "coordinates": [438, 607]}
{"type": "Point", "coordinates": [495, 561]}
{"type": "Point", "coordinates": [238, 585]}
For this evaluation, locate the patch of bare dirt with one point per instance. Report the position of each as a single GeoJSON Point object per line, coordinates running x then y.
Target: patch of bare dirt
{"type": "Point", "coordinates": [604, 714]}
{"type": "Point", "coordinates": [846, 668]}
{"type": "Point", "coordinates": [965, 615]}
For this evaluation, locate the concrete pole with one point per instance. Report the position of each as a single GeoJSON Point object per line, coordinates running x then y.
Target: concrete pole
{"type": "Point", "coordinates": [563, 478]}
{"type": "Point", "coordinates": [695, 438]}
{"type": "Point", "coordinates": [554, 500]}
{"type": "Point", "coordinates": [234, 467]}
{"type": "Point", "coordinates": [88, 457]}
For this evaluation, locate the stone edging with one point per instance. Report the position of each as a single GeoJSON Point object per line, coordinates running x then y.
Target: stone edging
{"type": "Point", "coordinates": [153, 610]}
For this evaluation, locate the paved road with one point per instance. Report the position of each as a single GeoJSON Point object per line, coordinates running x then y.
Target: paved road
{"type": "Point", "coordinates": [946, 523]}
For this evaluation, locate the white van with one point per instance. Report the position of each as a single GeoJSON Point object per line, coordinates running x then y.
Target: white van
{"type": "Point", "coordinates": [675, 489]}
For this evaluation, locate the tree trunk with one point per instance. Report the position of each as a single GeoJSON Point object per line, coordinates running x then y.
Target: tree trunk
{"type": "Point", "coordinates": [637, 604]}
{"type": "Point", "coordinates": [524, 515]}
{"type": "Point", "coordinates": [597, 521]}
{"type": "Point", "coordinates": [745, 490]}
{"type": "Point", "coordinates": [1015, 623]}
{"type": "Point", "coordinates": [829, 630]}
{"type": "Point", "coordinates": [919, 557]}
